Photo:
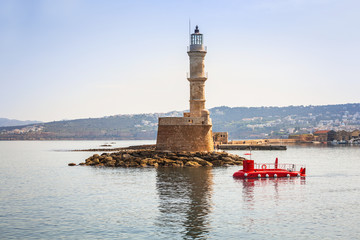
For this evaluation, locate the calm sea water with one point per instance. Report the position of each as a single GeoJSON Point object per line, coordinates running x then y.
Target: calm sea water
{"type": "Point", "coordinates": [42, 198]}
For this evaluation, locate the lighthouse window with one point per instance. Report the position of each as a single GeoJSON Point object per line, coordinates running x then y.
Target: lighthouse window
{"type": "Point", "coordinates": [196, 39]}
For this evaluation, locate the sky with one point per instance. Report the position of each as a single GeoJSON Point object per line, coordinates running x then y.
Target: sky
{"type": "Point", "coordinates": [69, 59]}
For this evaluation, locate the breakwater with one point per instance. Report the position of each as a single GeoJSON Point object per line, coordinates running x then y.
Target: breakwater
{"type": "Point", "coordinates": [152, 158]}
{"type": "Point", "coordinates": [136, 147]}
{"type": "Point", "coordinates": [250, 147]}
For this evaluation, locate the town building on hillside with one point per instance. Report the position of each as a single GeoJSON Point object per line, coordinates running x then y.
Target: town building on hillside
{"type": "Point", "coordinates": [220, 137]}
{"type": "Point", "coordinates": [327, 136]}
{"type": "Point", "coordinates": [306, 137]}
{"type": "Point", "coordinates": [324, 135]}
{"type": "Point", "coordinates": [343, 135]}
{"type": "Point", "coordinates": [355, 134]}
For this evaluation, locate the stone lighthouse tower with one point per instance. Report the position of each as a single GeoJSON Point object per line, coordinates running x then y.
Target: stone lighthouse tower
{"type": "Point", "coordinates": [193, 131]}
{"type": "Point", "coordinates": [197, 77]}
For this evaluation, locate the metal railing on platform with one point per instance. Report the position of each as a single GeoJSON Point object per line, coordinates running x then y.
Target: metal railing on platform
{"type": "Point", "coordinates": [285, 166]}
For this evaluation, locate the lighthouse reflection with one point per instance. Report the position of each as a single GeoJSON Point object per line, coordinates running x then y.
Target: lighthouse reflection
{"type": "Point", "coordinates": [185, 201]}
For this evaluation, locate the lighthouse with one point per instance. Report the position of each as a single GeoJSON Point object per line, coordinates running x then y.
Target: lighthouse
{"type": "Point", "coordinates": [197, 77]}
{"type": "Point", "coordinates": [193, 131]}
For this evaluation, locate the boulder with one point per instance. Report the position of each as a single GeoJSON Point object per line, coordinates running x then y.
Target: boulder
{"type": "Point", "coordinates": [146, 157]}
{"type": "Point", "coordinates": [144, 161]}
{"type": "Point", "coordinates": [110, 164]}
{"type": "Point", "coordinates": [133, 164]}
{"type": "Point", "coordinates": [217, 163]}
{"type": "Point", "coordinates": [192, 164]}
{"type": "Point", "coordinates": [207, 164]}
{"type": "Point", "coordinates": [151, 162]}
{"type": "Point", "coordinates": [180, 163]}
{"type": "Point", "coordinates": [227, 159]}
{"type": "Point", "coordinates": [120, 164]}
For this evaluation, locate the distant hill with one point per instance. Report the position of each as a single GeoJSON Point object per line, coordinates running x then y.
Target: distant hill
{"type": "Point", "coordinates": [279, 122]}
{"type": "Point", "coordinates": [4, 122]}
{"type": "Point", "coordinates": [240, 122]}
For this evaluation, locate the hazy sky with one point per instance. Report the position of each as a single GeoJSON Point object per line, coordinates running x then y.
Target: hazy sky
{"type": "Point", "coordinates": [82, 58]}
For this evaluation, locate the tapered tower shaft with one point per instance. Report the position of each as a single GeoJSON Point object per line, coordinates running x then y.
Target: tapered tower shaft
{"type": "Point", "coordinates": [197, 76]}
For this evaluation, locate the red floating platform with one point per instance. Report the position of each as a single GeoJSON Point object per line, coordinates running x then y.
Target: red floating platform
{"type": "Point", "coordinates": [269, 170]}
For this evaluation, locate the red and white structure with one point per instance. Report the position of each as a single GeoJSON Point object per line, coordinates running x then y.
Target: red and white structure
{"type": "Point", "coordinates": [269, 170]}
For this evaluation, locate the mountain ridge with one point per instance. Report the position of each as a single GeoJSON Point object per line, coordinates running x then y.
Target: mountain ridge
{"type": "Point", "coordinates": [7, 122]}
{"type": "Point", "coordinates": [240, 122]}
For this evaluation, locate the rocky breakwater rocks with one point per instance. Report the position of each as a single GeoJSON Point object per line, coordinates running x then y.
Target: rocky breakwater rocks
{"type": "Point", "coordinates": [151, 158]}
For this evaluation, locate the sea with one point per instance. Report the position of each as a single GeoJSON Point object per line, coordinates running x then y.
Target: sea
{"type": "Point", "coordinates": [43, 198]}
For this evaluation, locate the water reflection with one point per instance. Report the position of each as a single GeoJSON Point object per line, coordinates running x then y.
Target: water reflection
{"type": "Point", "coordinates": [185, 201]}
{"type": "Point", "coordinates": [272, 186]}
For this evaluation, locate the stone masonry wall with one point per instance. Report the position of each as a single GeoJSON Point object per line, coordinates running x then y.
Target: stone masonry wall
{"type": "Point", "coordinates": [192, 138]}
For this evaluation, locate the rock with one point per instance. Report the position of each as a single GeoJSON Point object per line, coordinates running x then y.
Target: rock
{"type": "Point", "coordinates": [207, 164]}
{"type": "Point", "coordinates": [151, 162]}
{"type": "Point", "coordinates": [168, 161]}
{"type": "Point", "coordinates": [217, 163]}
{"type": "Point", "coordinates": [202, 162]}
{"type": "Point", "coordinates": [198, 159]}
{"type": "Point", "coordinates": [171, 154]}
{"type": "Point", "coordinates": [173, 157]}
{"type": "Point", "coordinates": [146, 157]}
{"type": "Point", "coordinates": [180, 163]}
{"type": "Point", "coordinates": [227, 159]}
{"type": "Point", "coordinates": [102, 159]}
{"type": "Point", "coordinates": [120, 164]}
{"type": "Point", "coordinates": [110, 164]}
{"type": "Point", "coordinates": [192, 164]}
{"type": "Point", "coordinates": [72, 164]}
{"type": "Point", "coordinates": [133, 164]}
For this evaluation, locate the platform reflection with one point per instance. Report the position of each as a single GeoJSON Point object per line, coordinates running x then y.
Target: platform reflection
{"type": "Point", "coordinates": [272, 187]}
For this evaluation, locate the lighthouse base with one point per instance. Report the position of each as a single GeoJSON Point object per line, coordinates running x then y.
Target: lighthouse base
{"type": "Point", "coordinates": [184, 134]}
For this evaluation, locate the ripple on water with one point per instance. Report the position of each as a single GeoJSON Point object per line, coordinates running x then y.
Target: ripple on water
{"type": "Point", "coordinates": [44, 198]}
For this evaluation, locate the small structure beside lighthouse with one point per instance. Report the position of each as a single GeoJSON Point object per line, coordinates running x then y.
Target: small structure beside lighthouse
{"type": "Point", "coordinates": [193, 131]}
